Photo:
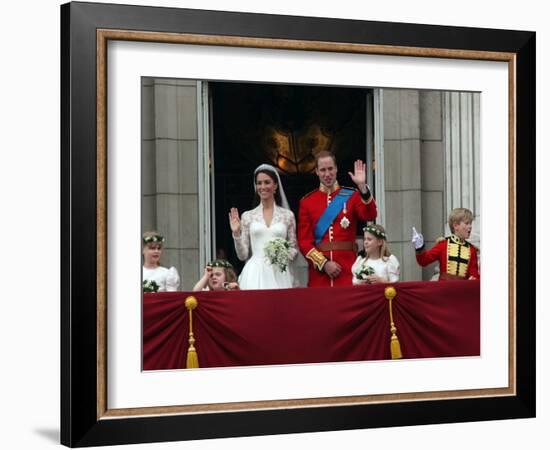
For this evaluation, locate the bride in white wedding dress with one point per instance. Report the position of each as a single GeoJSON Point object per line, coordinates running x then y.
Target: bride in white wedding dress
{"type": "Point", "coordinates": [269, 220]}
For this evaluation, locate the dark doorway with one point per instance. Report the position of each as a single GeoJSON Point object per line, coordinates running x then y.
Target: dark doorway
{"type": "Point", "coordinates": [282, 125]}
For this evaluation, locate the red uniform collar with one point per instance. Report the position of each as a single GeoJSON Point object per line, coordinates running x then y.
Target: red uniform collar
{"type": "Point", "coordinates": [327, 190]}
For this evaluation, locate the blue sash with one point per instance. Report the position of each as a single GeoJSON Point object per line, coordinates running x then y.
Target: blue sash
{"type": "Point", "coordinates": [333, 209]}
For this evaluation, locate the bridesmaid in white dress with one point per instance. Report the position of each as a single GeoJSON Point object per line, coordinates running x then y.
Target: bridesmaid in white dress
{"type": "Point", "coordinates": [377, 256]}
{"type": "Point", "coordinates": [166, 279]}
{"type": "Point", "coordinates": [270, 219]}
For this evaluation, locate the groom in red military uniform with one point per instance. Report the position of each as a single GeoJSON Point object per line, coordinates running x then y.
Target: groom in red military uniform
{"type": "Point", "coordinates": [327, 223]}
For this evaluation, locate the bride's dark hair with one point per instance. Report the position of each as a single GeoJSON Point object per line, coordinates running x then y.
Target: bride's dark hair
{"type": "Point", "coordinates": [277, 195]}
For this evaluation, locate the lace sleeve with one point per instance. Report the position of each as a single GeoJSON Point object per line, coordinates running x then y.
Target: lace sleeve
{"type": "Point", "coordinates": [293, 251]}
{"type": "Point", "coordinates": [393, 269]}
{"type": "Point", "coordinates": [172, 280]}
{"type": "Point", "coordinates": [242, 243]}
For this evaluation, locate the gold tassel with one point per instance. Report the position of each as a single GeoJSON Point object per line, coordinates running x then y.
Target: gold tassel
{"type": "Point", "coordinates": [192, 356]}
{"type": "Point", "coordinates": [395, 347]}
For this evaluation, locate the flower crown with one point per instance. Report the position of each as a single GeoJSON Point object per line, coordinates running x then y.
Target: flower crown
{"type": "Point", "coordinates": [373, 230]}
{"type": "Point", "coordinates": [157, 238]}
{"type": "Point", "coordinates": [220, 263]}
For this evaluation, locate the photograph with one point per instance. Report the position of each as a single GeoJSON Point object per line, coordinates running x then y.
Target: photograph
{"type": "Point", "coordinates": [245, 207]}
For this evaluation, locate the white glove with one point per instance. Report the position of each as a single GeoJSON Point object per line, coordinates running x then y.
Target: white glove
{"type": "Point", "coordinates": [417, 239]}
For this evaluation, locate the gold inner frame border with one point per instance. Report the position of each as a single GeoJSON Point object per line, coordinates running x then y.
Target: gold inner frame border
{"type": "Point", "coordinates": [105, 35]}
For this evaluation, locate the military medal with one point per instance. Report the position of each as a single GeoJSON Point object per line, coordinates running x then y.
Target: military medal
{"type": "Point", "coordinates": [344, 223]}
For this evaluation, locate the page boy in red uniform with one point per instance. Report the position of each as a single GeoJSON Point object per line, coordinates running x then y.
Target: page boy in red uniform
{"type": "Point", "coordinates": [327, 223]}
{"type": "Point", "coordinates": [457, 257]}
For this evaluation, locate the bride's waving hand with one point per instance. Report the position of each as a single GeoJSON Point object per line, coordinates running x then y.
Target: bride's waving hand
{"type": "Point", "coordinates": [235, 222]}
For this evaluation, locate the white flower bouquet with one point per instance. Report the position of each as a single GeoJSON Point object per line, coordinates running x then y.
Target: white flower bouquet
{"type": "Point", "coordinates": [277, 253]}
{"type": "Point", "coordinates": [150, 286]}
{"type": "Point", "coordinates": [363, 271]}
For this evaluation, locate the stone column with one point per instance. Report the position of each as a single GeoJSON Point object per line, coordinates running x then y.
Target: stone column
{"type": "Point", "coordinates": [462, 150]}
{"type": "Point", "coordinates": [401, 172]}
{"type": "Point", "coordinates": [432, 174]}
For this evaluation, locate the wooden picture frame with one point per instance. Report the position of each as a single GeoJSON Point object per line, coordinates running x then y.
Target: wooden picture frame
{"type": "Point", "coordinates": [86, 418]}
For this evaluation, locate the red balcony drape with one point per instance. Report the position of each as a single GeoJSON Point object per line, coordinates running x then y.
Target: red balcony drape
{"type": "Point", "coordinates": [241, 328]}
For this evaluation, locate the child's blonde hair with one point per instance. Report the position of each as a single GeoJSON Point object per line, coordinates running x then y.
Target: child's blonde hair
{"type": "Point", "coordinates": [380, 233]}
{"type": "Point", "coordinates": [459, 215]}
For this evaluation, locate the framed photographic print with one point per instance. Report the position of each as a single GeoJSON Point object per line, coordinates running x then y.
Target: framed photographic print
{"type": "Point", "coordinates": [175, 121]}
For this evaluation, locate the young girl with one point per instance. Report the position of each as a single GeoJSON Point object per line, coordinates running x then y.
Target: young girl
{"type": "Point", "coordinates": [155, 277]}
{"type": "Point", "coordinates": [218, 276]}
{"type": "Point", "coordinates": [375, 264]}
